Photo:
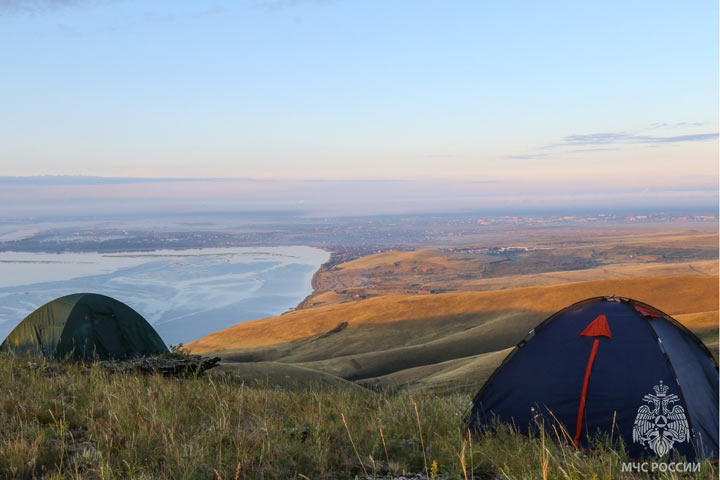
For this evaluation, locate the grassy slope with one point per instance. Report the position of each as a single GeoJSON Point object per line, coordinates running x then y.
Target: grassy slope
{"type": "Point", "coordinates": [705, 326]}
{"type": "Point", "coordinates": [674, 295]}
{"type": "Point", "coordinates": [606, 272]}
{"type": "Point", "coordinates": [462, 374]}
{"type": "Point", "coordinates": [402, 339]}
{"type": "Point", "coordinates": [565, 256]}
{"type": "Point", "coordinates": [71, 422]}
{"type": "Point", "coordinates": [282, 375]}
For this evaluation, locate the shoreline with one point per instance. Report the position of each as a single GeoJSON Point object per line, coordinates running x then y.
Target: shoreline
{"type": "Point", "coordinates": [337, 257]}
{"type": "Point", "coordinates": [304, 303]}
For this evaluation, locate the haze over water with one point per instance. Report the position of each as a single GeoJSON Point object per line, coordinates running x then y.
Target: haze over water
{"type": "Point", "coordinates": [184, 294]}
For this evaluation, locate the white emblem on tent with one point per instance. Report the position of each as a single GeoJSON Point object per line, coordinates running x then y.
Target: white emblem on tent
{"type": "Point", "coordinates": [659, 426]}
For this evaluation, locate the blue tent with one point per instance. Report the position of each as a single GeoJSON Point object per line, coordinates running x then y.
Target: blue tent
{"type": "Point", "coordinates": [609, 361]}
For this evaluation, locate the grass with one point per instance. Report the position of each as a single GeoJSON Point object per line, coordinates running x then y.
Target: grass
{"type": "Point", "coordinates": [445, 341]}
{"type": "Point", "coordinates": [60, 421]}
{"type": "Point", "coordinates": [280, 374]}
{"type": "Point", "coordinates": [566, 255]}
{"type": "Point", "coordinates": [675, 294]}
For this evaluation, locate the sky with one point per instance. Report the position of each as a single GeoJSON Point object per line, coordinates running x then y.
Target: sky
{"type": "Point", "coordinates": [524, 95]}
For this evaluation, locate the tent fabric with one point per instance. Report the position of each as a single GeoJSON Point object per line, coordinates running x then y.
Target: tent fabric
{"type": "Point", "coordinates": [597, 328]}
{"type": "Point", "coordinates": [85, 326]}
{"type": "Point", "coordinates": [698, 381]}
{"type": "Point", "coordinates": [649, 376]}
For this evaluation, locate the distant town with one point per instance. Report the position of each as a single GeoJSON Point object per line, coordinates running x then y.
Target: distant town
{"type": "Point", "coordinates": [347, 237]}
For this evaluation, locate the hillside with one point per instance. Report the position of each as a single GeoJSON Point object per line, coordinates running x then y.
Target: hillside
{"type": "Point", "coordinates": [526, 258]}
{"type": "Point", "coordinates": [444, 341]}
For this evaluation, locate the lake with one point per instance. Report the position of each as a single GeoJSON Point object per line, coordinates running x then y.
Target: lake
{"type": "Point", "coordinates": [184, 294]}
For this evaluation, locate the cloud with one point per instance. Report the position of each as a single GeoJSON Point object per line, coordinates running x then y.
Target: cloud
{"type": "Point", "coordinates": [615, 138]}
{"type": "Point", "coordinates": [607, 141]}
{"type": "Point", "coordinates": [281, 4]}
{"type": "Point", "coordinates": [92, 180]}
{"type": "Point", "coordinates": [593, 139]}
{"type": "Point", "coordinates": [10, 7]}
{"type": "Point", "coordinates": [697, 137]}
{"type": "Point", "coordinates": [592, 149]}
{"type": "Point", "coordinates": [154, 17]}
{"type": "Point", "coordinates": [354, 180]}
{"type": "Point", "coordinates": [656, 125]}
{"type": "Point", "coordinates": [529, 156]}
{"type": "Point", "coordinates": [37, 6]}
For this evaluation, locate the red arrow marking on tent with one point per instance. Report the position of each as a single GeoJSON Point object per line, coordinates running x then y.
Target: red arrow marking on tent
{"type": "Point", "coordinates": [597, 328]}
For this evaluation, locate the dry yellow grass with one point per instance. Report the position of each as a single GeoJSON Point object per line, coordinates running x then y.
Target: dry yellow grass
{"type": "Point", "coordinates": [681, 238]}
{"type": "Point", "coordinates": [462, 374]}
{"type": "Point", "coordinates": [699, 320]}
{"type": "Point", "coordinates": [561, 256]}
{"type": "Point", "coordinates": [72, 422]}
{"type": "Point", "coordinates": [608, 272]}
{"type": "Point", "coordinates": [701, 236]}
{"type": "Point", "coordinates": [442, 342]}
{"type": "Point", "coordinates": [705, 326]}
{"type": "Point", "coordinates": [678, 294]}
{"type": "Point", "coordinates": [389, 258]}
{"type": "Point", "coordinates": [360, 362]}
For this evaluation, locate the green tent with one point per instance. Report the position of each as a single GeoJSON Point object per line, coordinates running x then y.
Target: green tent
{"type": "Point", "coordinates": [85, 326]}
